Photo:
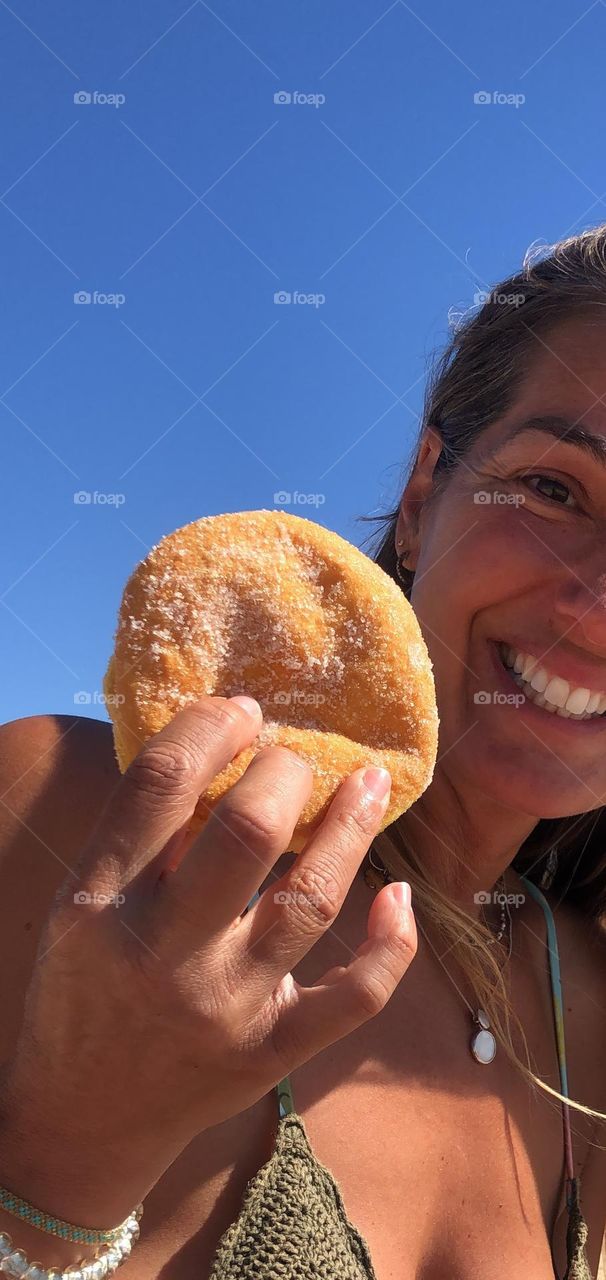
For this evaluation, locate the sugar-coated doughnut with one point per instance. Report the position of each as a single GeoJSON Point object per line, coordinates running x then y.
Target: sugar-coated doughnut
{"type": "Point", "coordinates": [281, 608]}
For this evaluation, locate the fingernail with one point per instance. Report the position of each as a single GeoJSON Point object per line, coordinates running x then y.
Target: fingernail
{"type": "Point", "coordinates": [401, 892]}
{"type": "Point", "coordinates": [249, 705]}
{"type": "Point", "coordinates": [377, 782]}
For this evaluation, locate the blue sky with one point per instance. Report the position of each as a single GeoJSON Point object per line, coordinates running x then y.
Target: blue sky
{"type": "Point", "coordinates": [146, 166]}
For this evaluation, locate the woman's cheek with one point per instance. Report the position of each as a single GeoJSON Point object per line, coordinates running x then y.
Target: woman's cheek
{"type": "Point", "coordinates": [503, 551]}
{"type": "Point", "coordinates": [499, 558]}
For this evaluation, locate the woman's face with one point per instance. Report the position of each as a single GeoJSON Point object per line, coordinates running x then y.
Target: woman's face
{"type": "Point", "coordinates": [513, 551]}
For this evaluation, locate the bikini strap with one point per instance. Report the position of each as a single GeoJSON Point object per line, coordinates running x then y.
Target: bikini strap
{"type": "Point", "coordinates": [558, 1017]}
{"type": "Point", "coordinates": [286, 1103]}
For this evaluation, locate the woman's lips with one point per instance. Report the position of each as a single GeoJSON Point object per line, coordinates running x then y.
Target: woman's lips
{"type": "Point", "coordinates": [537, 715]}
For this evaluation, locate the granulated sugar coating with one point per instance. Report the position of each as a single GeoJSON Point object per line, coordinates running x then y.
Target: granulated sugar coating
{"type": "Point", "coordinates": [278, 607]}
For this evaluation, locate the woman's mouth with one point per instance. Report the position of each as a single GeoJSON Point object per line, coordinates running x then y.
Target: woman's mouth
{"type": "Point", "coordinates": [547, 690]}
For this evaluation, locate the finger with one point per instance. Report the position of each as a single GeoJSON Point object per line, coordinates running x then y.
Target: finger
{"type": "Point", "coordinates": [174, 850]}
{"type": "Point", "coordinates": [380, 921]}
{"type": "Point", "coordinates": [292, 915]}
{"type": "Point", "coordinates": [161, 787]}
{"type": "Point", "coordinates": [245, 834]}
{"type": "Point", "coordinates": [315, 1017]}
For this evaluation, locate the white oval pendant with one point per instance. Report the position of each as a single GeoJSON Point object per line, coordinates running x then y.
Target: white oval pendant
{"type": "Point", "coordinates": [483, 1046]}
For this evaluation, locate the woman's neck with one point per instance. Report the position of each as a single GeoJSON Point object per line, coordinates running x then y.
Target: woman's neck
{"type": "Point", "coordinates": [465, 841]}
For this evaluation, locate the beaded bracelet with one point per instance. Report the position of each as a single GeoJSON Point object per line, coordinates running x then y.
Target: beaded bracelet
{"type": "Point", "coordinates": [13, 1262]}
{"type": "Point", "coordinates": [56, 1226]}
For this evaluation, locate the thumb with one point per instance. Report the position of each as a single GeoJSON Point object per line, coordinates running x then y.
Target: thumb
{"type": "Point", "coordinates": [391, 911]}
{"type": "Point", "coordinates": [315, 1017]}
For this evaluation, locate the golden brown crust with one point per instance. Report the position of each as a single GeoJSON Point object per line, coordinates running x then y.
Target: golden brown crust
{"type": "Point", "coordinates": [277, 606]}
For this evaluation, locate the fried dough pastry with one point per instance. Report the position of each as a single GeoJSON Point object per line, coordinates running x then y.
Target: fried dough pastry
{"type": "Point", "coordinates": [281, 608]}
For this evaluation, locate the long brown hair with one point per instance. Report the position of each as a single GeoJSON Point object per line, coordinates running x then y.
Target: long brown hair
{"type": "Point", "coordinates": [471, 384]}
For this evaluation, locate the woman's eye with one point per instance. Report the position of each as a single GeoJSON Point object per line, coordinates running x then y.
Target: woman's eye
{"type": "Point", "coordinates": [556, 490]}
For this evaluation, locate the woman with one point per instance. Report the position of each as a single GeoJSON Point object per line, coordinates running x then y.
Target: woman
{"type": "Point", "coordinates": [154, 1033]}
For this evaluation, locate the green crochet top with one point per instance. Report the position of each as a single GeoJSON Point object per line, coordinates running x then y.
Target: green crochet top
{"type": "Point", "coordinates": [293, 1224]}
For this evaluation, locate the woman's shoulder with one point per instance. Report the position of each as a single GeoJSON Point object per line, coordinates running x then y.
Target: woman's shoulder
{"type": "Point", "coordinates": [35, 742]}
{"type": "Point", "coordinates": [582, 949]}
{"type": "Point", "coordinates": [56, 774]}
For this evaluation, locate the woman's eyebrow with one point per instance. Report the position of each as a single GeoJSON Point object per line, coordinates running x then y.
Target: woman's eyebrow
{"type": "Point", "coordinates": [561, 429]}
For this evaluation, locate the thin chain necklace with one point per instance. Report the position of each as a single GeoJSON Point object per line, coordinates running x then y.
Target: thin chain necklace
{"type": "Point", "coordinates": [482, 1044]}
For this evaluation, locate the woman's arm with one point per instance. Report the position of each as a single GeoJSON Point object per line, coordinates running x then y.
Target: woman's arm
{"type": "Point", "coordinates": [147, 1025]}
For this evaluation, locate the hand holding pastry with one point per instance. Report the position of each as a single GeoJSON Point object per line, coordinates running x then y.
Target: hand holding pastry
{"type": "Point", "coordinates": [294, 615]}
{"type": "Point", "coordinates": [146, 1024]}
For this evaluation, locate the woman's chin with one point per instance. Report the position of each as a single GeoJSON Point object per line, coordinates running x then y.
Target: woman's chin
{"type": "Point", "coordinates": [529, 780]}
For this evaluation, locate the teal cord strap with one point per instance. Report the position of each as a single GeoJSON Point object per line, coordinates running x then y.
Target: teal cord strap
{"type": "Point", "coordinates": [56, 1226]}
{"type": "Point", "coordinates": [556, 979]}
{"type": "Point", "coordinates": [558, 1018]}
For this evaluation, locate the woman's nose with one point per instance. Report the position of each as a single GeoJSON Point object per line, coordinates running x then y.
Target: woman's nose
{"type": "Point", "coordinates": [582, 603]}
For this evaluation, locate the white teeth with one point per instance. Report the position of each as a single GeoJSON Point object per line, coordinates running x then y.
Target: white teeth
{"type": "Point", "coordinates": [539, 680]}
{"type": "Point", "coordinates": [557, 691]}
{"type": "Point", "coordinates": [530, 665]}
{"type": "Point", "coordinates": [578, 700]}
{"type": "Point", "coordinates": [552, 693]}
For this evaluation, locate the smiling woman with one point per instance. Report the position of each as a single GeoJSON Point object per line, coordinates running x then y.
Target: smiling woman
{"type": "Point", "coordinates": [506, 498]}
{"type": "Point", "coordinates": [512, 459]}
{"type": "Point", "coordinates": [450, 1097]}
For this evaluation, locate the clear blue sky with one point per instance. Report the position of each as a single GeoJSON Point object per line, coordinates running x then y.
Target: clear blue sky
{"type": "Point", "coordinates": [181, 186]}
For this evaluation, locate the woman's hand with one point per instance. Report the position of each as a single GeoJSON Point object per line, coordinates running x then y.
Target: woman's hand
{"type": "Point", "coordinates": [157, 1008]}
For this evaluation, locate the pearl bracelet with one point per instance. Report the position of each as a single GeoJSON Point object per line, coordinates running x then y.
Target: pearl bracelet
{"type": "Point", "coordinates": [14, 1263]}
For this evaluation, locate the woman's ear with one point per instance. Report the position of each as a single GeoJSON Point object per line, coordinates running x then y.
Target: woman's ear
{"type": "Point", "coordinates": [416, 494]}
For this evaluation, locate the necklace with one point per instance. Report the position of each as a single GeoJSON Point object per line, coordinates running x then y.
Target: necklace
{"type": "Point", "coordinates": [482, 1044]}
